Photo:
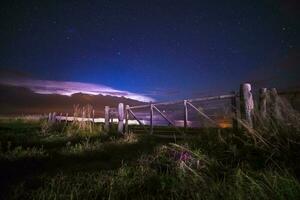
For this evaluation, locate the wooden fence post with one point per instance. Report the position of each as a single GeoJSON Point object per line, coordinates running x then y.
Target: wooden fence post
{"type": "Point", "coordinates": [121, 118]}
{"type": "Point", "coordinates": [151, 118]}
{"type": "Point", "coordinates": [126, 119]}
{"type": "Point", "coordinates": [234, 112]}
{"type": "Point", "coordinates": [185, 115]}
{"type": "Point", "coordinates": [50, 117]}
{"type": "Point", "coordinates": [93, 113]}
{"type": "Point", "coordinates": [275, 107]}
{"type": "Point", "coordinates": [54, 117]}
{"type": "Point", "coordinates": [246, 103]}
{"type": "Point", "coordinates": [106, 126]}
{"type": "Point", "coordinates": [262, 104]}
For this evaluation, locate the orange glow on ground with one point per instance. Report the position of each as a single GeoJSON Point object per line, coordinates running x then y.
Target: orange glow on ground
{"type": "Point", "coordinates": [225, 123]}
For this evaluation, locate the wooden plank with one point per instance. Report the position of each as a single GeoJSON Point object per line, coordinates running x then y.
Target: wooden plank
{"type": "Point", "coordinates": [185, 114]}
{"type": "Point", "coordinates": [166, 118]}
{"type": "Point", "coordinates": [246, 104]}
{"type": "Point", "coordinates": [50, 117]}
{"type": "Point", "coordinates": [137, 107]}
{"type": "Point", "coordinates": [126, 119]}
{"type": "Point", "coordinates": [262, 104]}
{"type": "Point", "coordinates": [107, 116]}
{"type": "Point", "coordinates": [226, 96]}
{"type": "Point", "coordinates": [120, 118]}
{"type": "Point", "coordinates": [275, 104]}
{"type": "Point", "coordinates": [234, 112]}
{"type": "Point", "coordinates": [54, 117]}
{"type": "Point", "coordinates": [130, 111]}
{"type": "Point", "coordinates": [93, 116]}
{"type": "Point", "coordinates": [219, 97]}
{"type": "Point", "coordinates": [203, 114]}
{"type": "Point", "coordinates": [151, 118]}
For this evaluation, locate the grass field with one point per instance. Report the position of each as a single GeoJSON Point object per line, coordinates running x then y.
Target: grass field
{"type": "Point", "coordinates": [66, 161]}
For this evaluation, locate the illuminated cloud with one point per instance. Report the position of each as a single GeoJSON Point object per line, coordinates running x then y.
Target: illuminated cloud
{"type": "Point", "coordinates": [69, 87]}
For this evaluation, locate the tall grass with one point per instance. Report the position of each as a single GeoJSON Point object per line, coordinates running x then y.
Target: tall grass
{"type": "Point", "coordinates": [19, 152]}
{"type": "Point", "coordinates": [260, 162]}
{"type": "Point", "coordinates": [173, 172]}
{"type": "Point", "coordinates": [80, 126]}
{"type": "Point", "coordinates": [84, 146]}
{"type": "Point", "coordinates": [275, 135]}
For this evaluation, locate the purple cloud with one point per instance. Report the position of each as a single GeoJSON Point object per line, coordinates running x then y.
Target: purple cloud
{"type": "Point", "coordinates": [69, 87]}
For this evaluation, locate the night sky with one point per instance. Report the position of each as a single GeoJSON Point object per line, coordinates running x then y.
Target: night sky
{"type": "Point", "coordinates": [164, 49]}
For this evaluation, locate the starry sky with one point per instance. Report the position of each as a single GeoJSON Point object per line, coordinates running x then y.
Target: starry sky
{"type": "Point", "coordinates": [161, 49]}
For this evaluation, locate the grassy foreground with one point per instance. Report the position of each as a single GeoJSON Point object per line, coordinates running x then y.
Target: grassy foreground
{"type": "Point", "coordinates": [65, 161]}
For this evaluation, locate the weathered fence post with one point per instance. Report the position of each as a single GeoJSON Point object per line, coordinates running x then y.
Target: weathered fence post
{"type": "Point", "coordinates": [246, 103]}
{"type": "Point", "coordinates": [93, 113]}
{"type": "Point", "coordinates": [50, 117]}
{"type": "Point", "coordinates": [67, 117]}
{"type": "Point", "coordinates": [54, 117]}
{"type": "Point", "coordinates": [121, 118]}
{"type": "Point", "coordinates": [262, 104]}
{"type": "Point", "coordinates": [185, 115]}
{"type": "Point", "coordinates": [151, 118]}
{"type": "Point", "coordinates": [275, 107]}
{"type": "Point", "coordinates": [106, 126]}
{"type": "Point", "coordinates": [234, 112]}
{"type": "Point", "coordinates": [126, 119]}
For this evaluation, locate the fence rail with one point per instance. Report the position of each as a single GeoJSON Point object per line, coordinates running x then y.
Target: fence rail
{"type": "Point", "coordinates": [187, 106]}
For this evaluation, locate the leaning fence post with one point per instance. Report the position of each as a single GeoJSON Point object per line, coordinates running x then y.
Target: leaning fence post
{"type": "Point", "coordinates": [234, 112]}
{"type": "Point", "coordinates": [185, 114]}
{"type": "Point", "coordinates": [121, 118]}
{"type": "Point", "coordinates": [151, 118]}
{"type": "Point", "coordinates": [262, 104]}
{"type": "Point", "coordinates": [126, 118]}
{"type": "Point", "coordinates": [106, 110]}
{"type": "Point", "coordinates": [246, 103]}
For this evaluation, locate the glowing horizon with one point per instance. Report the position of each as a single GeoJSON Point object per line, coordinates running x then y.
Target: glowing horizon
{"type": "Point", "coordinates": [69, 88]}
